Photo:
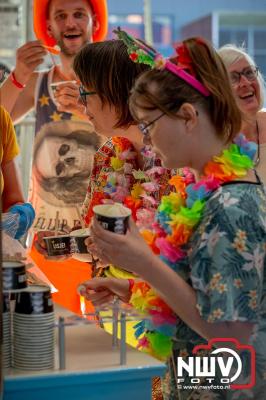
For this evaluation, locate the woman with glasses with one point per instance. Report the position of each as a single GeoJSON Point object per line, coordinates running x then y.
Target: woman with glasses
{"type": "Point", "coordinates": [211, 269]}
{"type": "Point", "coordinates": [248, 87]}
{"type": "Point", "coordinates": [124, 170]}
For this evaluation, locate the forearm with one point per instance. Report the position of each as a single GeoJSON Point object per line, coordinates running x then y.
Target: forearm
{"type": "Point", "coordinates": [9, 95]}
{"type": "Point", "coordinates": [18, 101]}
{"type": "Point", "coordinates": [181, 297]}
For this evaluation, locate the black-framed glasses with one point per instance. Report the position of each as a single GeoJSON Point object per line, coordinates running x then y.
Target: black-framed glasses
{"type": "Point", "coordinates": [83, 95]}
{"type": "Point", "coordinates": [144, 128]}
{"type": "Point", "coordinates": [250, 73]}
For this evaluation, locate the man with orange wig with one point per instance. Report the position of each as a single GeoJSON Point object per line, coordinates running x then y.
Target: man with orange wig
{"type": "Point", "coordinates": [64, 144]}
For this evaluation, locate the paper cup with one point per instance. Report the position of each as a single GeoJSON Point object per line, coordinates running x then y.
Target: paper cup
{"type": "Point", "coordinates": [57, 245]}
{"type": "Point", "coordinates": [36, 299]}
{"type": "Point", "coordinates": [113, 217]}
{"type": "Point", "coordinates": [78, 247]}
{"type": "Point", "coordinates": [14, 276]}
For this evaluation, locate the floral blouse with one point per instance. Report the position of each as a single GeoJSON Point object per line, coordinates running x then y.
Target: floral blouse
{"type": "Point", "coordinates": [225, 265]}
{"type": "Point", "coordinates": [103, 170]}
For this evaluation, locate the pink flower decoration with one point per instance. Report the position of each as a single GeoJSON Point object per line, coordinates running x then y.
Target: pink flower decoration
{"type": "Point", "coordinates": [155, 171]}
{"type": "Point", "coordinates": [128, 168]}
{"type": "Point", "coordinates": [120, 194]}
{"type": "Point", "coordinates": [149, 199]}
{"type": "Point", "coordinates": [210, 183]}
{"type": "Point", "coordinates": [150, 186]}
{"type": "Point", "coordinates": [159, 319]}
{"type": "Point", "coordinates": [127, 155]}
{"type": "Point", "coordinates": [143, 342]}
{"type": "Point", "coordinates": [168, 251]}
{"type": "Point", "coordinates": [145, 218]}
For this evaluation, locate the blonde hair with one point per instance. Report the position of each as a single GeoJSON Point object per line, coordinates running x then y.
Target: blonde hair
{"type": "Point", "coordinates": [231, 54]}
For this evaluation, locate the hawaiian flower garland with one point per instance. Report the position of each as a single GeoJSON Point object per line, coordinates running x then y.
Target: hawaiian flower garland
{"type": "Point", "coordinates": [140, 190]}
{"type": "Point", "coordinates": [178, 215]}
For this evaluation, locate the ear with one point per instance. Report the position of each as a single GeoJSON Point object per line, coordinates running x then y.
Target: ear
{"type": "Point", "coordinates": [49, 29]}
{"type": "Point", "coordinates": [190, 115]}
{"type": "Point", "coordinates": [96, 25]}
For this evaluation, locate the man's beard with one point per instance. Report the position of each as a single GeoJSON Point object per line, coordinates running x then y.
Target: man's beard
{"type": "Point", "coordinates": [69, 52]}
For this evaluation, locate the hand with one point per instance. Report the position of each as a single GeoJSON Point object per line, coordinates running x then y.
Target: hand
{"type": "Point", "coordinates": [26, 215]}
{"type": "Point", "coordinates": [40, 246]}
{"type": "Point", "coordinates": [28, 58]}
{"type": "Point", "coordinates": [102, 291]}
{"type": "Point", "coordinates": [128, 251]}
{"type": "Point", "coordinates": [67, 99]}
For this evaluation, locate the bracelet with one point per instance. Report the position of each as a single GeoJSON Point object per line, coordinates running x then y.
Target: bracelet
{"type": "Point", "coordinates": [131, 283]}
{"type": "Point", "coordinates": [15, 82]}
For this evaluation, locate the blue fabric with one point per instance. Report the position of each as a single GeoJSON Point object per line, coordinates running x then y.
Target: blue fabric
{"type": "Point", "coordinates": [26, 217]}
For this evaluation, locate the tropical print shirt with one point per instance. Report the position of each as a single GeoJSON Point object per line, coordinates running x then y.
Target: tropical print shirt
{"type": "Point", "coordinates": [226, 266]}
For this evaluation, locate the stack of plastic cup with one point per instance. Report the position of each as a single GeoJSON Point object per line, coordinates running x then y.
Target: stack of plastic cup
{"type": "Point", "coordinates": [7, 340]}
{"type": "Point", "coordinates": [33, 329]}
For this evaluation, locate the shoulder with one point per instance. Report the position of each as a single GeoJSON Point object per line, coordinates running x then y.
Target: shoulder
{"type": "Point", "coordinates": [236, 206]}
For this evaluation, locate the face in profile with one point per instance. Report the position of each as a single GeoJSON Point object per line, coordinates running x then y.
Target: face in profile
{"type": "Point", "coordinates": [71, 24]}
{"type": "Point", "coordinates": [245, 87]}
{"type": "Point", "coordinates": [101, 115]}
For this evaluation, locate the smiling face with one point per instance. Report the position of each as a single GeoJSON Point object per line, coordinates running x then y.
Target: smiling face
{"type": "Point", "coordinates": [247, 93]}
{"type": "Point", "coordinates": [71, 24]}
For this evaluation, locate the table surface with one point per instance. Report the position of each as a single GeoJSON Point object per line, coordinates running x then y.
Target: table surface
{"type": "Point", "coordinates": [89, 348]}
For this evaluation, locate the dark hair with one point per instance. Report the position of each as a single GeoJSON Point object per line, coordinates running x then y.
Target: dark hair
{"type": "Point", "coordinates": [161, 89]}
{"type": "Point", "coordinates": [106, 68]}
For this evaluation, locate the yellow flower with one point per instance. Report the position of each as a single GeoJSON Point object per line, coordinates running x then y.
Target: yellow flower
{"type": "Point", "coordinates": [116, 163]}
{"type": "Point", "coordinates": [218, 313]}
{"type": "Point", "coordinates": [222, 288]}
{"type": "Point", "coordinates": [252, 294]}
{"type": "Point", "coordinates": [239, 245]}
{"type": "Point", "coordinates": [238, 283]}
{"type": "Point", "coordinates": [241, 234]}
{"type": "Point", "coordinates": [217, 277]}
{"type": "Point", "coordinates": [213, 284]}
{"type": "Point", "coordinates": [210, 318]}
{"type": "Point", "coordinates": [136, 191]}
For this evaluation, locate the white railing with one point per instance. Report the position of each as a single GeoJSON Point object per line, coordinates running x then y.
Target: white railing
{"type": "Point", "coordinates": [25, 134]}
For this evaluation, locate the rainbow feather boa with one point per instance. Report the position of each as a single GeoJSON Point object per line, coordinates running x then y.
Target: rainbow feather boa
{"type": "Point", "coordinates": [178, 215]}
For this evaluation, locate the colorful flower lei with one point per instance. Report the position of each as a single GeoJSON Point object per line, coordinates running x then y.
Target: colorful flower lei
{"type": "Point", "coordinates": [117, 179]}
{"type": "Point", "coordinates": [178, 215]}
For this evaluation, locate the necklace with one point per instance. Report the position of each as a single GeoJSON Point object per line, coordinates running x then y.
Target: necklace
{"type": "Point", "coordinates": [177, 217]}
{"type": "Point", "coordinates": [256, 163]}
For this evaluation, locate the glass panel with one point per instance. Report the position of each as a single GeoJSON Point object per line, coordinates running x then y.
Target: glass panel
{"type": "Point", "coordinates": [134, 25]}
{"type": "Point", "coordinates": [225, 37]}
{"type": "Point", "coordinates": [260, 39]}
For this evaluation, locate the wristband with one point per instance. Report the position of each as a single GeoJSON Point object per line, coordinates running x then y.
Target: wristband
{"type": "Point", "coordinates": [15, 82]}
{"type": "Point", "coordinates": [131, 283]}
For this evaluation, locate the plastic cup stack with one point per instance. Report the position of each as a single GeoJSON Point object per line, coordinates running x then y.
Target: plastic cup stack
{"type": "Point", "coordinates": [7, 340]}
{"type": "Point", "coordinates": [33, 329]}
